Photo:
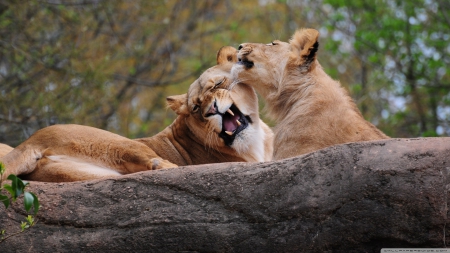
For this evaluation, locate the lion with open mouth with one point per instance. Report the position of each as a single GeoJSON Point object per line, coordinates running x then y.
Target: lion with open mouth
{"type": "Point", "coordinates": [217, 121]}
{"type": "Point", "coordinates": [221, 116]}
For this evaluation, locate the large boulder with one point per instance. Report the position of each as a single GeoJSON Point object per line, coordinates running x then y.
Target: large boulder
{"type": "Point", "coordinates": [358, 196]}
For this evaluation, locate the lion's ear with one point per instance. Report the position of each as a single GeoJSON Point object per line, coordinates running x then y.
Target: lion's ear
{"type": "Point", "coordinates": [226, 54]}
{"type": "Point", "coordinates": [178, 103]}
{"type": "Point", "coordinates": [304, 46]}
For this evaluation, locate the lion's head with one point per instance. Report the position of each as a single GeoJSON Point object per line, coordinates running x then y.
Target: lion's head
{"type": "Point", "coordinates": [224, 114]}
{"type": "Point", "coordinates": [277, 68]}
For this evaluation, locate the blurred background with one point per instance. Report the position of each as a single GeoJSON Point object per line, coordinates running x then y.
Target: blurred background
{"type": "Point", "coordinates": [111, 64]}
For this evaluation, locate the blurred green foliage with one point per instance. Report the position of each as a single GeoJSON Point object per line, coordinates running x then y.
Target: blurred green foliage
{"type": "Point", "coordinates": [110, 64]}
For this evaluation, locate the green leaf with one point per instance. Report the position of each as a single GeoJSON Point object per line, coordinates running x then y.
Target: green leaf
{"type": "Point", "coordinates": [2, 168]}
{"type": "Point", "coordinates": [17, 185]}
{"type": "Point", "coordinates": [5, 200]}
{"type": "Point", "coordinates": [22, 184]}
{"type": "Point", "coordinates": [14, 191]}
{"type": "Point", "coordinates": [30, 220]}
{"type": "Point", "coordinates": [36, 204]}
{"type": "Point", "coordinates": [9, 189]}
{"type": "Point", "coordinates": [28, 200]}
{"type": "Point", "coordinates": [24, 225]}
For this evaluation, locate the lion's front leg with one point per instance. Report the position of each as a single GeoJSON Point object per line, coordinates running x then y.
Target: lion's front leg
{"type": "Point", "coordinates": [136, 156]}
{"type": "Point", "coordinates": [143, 161]}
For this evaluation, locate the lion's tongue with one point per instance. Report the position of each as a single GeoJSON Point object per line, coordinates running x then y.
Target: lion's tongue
{"type": "Point", "coordinates": [229, 122]}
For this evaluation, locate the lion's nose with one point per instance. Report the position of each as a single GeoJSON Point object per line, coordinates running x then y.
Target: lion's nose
{"type": "Point", "coordinates": [240, 47]}
{"type": "Point", "coordinates": [212, 110]}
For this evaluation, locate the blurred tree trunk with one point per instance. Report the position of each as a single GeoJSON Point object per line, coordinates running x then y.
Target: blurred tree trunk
{"type": "Point", "coordinates": [411, 80]}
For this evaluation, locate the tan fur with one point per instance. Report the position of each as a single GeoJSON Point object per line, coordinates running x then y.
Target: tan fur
{"type": "Point", "coordinates": [312, 111]}
{"type": "Point", "coordinates": [73, 152]}
{"type": "Point", "coordinates": [5, 149]}
{"type": "Point", "coordinates": [63, 153]}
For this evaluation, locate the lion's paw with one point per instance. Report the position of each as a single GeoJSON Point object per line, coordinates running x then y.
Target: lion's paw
{"type": "Point", "coordinates": [162, 164]}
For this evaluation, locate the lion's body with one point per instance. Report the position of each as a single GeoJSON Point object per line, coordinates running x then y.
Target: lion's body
{"type": "Point", "coordinates": [63, 153]}
{"type": "Point", "coordinates": [312, 111]}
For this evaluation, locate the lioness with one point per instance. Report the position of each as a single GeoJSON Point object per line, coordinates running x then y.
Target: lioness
{"type": "Point", "coordinates": [214, 124]}
{"type": "Point", "coordinates": [311, 110]}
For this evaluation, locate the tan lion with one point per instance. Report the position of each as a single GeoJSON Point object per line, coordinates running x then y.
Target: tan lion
{"type": "Point", "coordinates": [311, 110]}
{"type": "Point", "coordinates": [214, 124]}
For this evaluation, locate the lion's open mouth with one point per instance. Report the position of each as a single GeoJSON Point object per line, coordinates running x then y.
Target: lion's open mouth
{"type": "Point", "coordinates": [233, 122]}
{"type": "Point", "coordinates": [244, 61]}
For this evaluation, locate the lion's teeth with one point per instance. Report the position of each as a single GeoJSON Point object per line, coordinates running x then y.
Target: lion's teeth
{"type": "Point", "coordinates": [239, 123]}
{"type": "Point", "coordinates": [230, 112]}
{"type": "Point", "coordinates": [229, 133]}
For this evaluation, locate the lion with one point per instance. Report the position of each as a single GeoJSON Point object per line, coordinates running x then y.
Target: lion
{"type": "Point", "coordinates": [217, 121]}
{"type": "Point", "coordinates": [310, 109]}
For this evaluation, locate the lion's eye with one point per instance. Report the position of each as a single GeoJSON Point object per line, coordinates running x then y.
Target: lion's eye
{"type": "Point", "coordinates": [219, 82]}
{"type": "Point", "coordinates": [195, 109]}
{"type": "Point", "coordinates": [274, 43]}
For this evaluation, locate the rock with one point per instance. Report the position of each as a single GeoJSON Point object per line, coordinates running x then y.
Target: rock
{"type": "Point", "coordinates": [352, 197]}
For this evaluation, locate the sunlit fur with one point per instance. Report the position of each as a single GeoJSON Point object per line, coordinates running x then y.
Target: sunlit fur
{"type": "Point", "coordinates": [63, 153]}
{"type": "Point", "coordinates": [312, 111]}
{"type": "Point", "coordinates": [4, 149]}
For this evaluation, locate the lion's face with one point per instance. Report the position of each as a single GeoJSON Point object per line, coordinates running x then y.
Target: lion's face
{"type": "Point", "coordinates": [261, 65]}
{"type": "Point", "coordinates": [268, 67]}
{"type": "Point", "coordinates": [222, 108]}
{"type": "Point", "coordinates": [218, 111]}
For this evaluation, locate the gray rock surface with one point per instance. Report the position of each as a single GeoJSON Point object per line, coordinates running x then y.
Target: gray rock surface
{"type": "Point", "coordinates": [354, 197]}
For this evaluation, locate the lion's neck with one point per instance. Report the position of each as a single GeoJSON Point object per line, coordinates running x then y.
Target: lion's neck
{"type": "Point", "coordinates": [179, 145]}
{"type": "Point", "coordinates": [322, 113]}
{"type": "Point", "coordinates": [296, 90]}
{"type": "Point", "coordinates": [303, 94]}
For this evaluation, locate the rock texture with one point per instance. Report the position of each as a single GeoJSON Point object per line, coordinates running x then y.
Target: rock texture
{"type": "Point", "coordinates": [353, 197]}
